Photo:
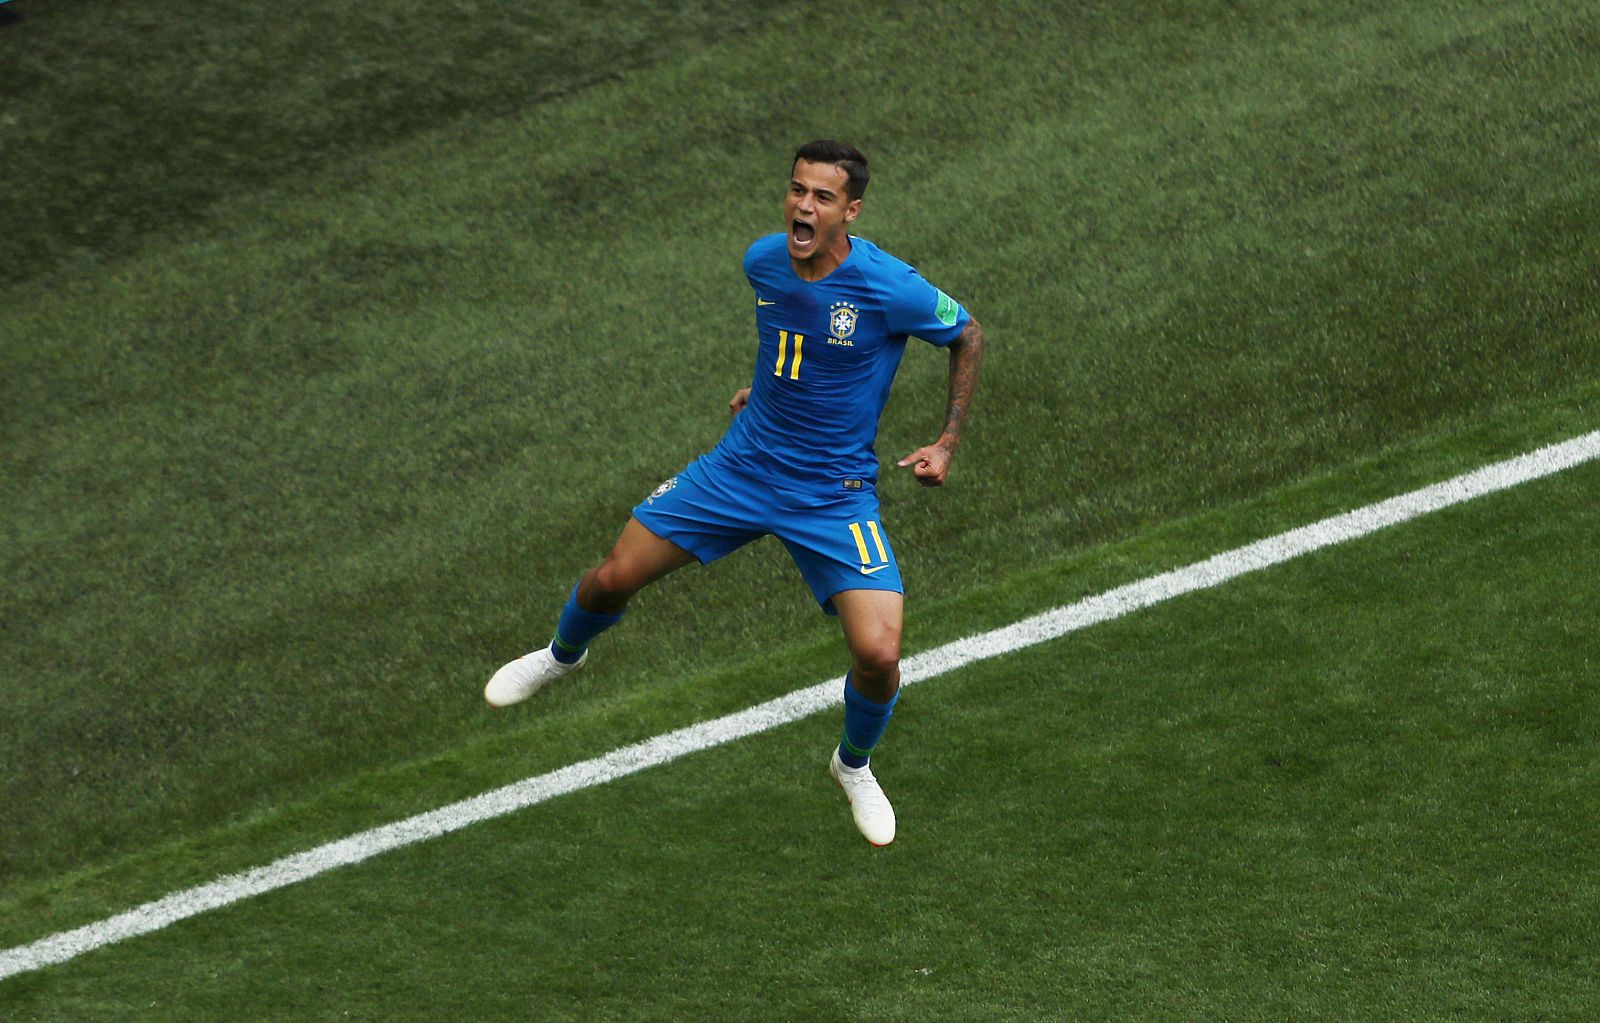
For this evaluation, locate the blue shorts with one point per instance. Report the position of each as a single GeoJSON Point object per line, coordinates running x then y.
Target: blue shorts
{"type": "Point", "coordinates": [836, 539]}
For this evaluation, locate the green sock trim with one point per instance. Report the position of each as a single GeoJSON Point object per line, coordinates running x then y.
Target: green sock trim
{"type": "Point", "coordinates": [568, 647]}
{"type": "Point", "coordinates": [851, 747]}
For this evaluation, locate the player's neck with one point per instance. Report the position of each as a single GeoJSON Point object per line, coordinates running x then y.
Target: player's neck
{"type": "Point", "coordinates": [823, 263]}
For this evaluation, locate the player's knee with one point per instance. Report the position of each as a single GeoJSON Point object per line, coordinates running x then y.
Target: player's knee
{"type": "Point", "coordinates": [608, 587]}
{"type": "Point", "coordinates": [878, 657]}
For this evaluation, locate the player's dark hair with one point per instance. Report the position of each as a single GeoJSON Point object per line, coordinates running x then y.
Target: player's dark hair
{"type": "Point", "coordinates": [839, 154]}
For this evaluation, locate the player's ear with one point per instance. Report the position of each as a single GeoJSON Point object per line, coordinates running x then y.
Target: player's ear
{"type": "Point", "coordinates": [852, 210]}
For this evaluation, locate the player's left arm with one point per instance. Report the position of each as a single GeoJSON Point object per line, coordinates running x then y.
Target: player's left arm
{"type": "Point", "coordinates": [931, 464]}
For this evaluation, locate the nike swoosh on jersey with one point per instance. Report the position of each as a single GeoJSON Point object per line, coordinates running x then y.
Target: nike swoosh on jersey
{"type": "Point", "coordinates": [868, 571]}
{"type": "Point", "coordinates": [762, 301]}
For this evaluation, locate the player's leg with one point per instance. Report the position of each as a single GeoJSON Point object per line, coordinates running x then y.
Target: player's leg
{"type": "Point", "coordinates": [843, 552]}
{"type": "Point", "coordinates": [595, 604]}
{"type": "Point", "coordinates": [694, 516]}
{"type": "Point", "coordinates": [637, 559]}
{"type": "Point", "coordinates": [871, 620]}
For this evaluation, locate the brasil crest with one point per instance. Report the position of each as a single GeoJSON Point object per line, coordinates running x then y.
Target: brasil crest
{"type": "Point", "coordinates": [842, 318]}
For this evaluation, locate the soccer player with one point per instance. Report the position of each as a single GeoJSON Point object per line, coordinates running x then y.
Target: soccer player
{"type": "Point", "coordinates": [833, 313]}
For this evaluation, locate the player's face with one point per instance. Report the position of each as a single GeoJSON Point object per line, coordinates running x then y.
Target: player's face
{"type": "Point", "coordinates": [819, 211]}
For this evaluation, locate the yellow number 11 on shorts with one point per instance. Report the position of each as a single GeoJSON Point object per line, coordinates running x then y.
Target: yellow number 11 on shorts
{"type": "Point", "coordinates": [861, 545]}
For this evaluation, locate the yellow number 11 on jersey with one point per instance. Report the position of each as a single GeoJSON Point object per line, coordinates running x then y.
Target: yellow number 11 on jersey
{"type": "Point", "coordinates": [783, 345]}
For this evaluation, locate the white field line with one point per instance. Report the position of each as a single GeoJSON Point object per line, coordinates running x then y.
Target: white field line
{"type": "Point", "coordinates": [152, 916]}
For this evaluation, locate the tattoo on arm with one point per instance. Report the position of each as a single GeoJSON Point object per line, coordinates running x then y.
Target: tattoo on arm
{"type": "Point", "coordinates": [966, 355]}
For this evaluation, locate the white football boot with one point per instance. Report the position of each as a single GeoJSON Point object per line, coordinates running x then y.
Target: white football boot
{"type": "Point", "coordinates": [868, 805]}
{"type": "Point", "coordinates": [527, 675]}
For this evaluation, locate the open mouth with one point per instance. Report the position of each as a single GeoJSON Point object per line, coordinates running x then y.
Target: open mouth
{"type": "Point", "coordinates": [802, 232]}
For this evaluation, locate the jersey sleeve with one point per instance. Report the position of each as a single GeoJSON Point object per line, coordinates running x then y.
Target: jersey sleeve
{"type": "Point", "coordinates": [919, 309]}
{"type": "Point", "coordinates": [750, 260]}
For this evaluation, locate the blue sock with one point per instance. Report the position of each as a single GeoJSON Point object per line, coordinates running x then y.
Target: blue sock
{"type": "Point", "coordinates": [864, 723]}
{"type": "Point", "coordinates": [576, 629]}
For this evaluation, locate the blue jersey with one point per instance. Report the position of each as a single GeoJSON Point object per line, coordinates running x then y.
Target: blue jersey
{"type": "Point", "coordinates": [827, 352]}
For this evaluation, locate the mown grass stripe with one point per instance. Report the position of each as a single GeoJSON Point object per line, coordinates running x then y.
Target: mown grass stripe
{"type": "Point", "coordinates": [1274, 550]}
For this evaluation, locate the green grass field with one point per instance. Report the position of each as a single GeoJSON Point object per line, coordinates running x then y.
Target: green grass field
{"type": "Point", "coordinates": [339, 341]}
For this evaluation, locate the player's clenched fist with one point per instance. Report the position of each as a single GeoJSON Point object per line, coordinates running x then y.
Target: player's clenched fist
{"type": "Point", "coordinates": [930, 465]}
